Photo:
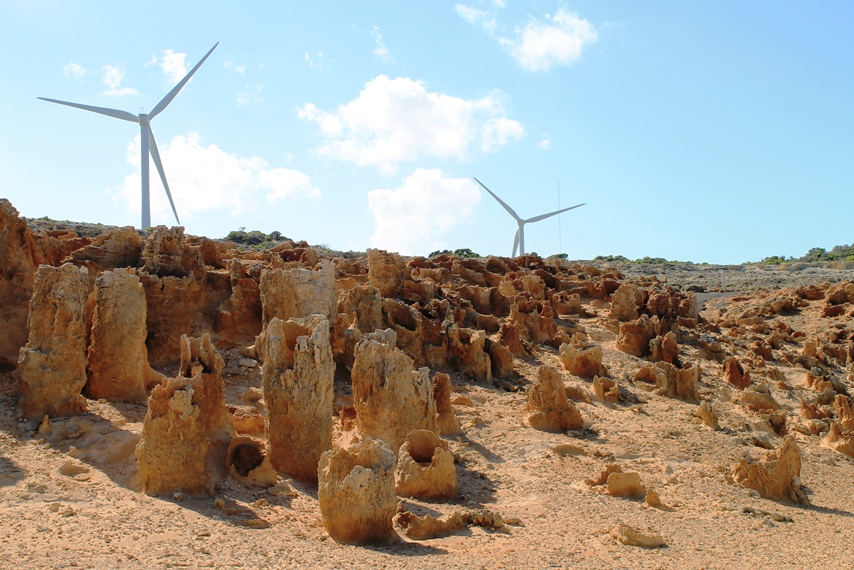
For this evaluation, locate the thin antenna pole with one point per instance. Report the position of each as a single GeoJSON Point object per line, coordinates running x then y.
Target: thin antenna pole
{"type": "Point", "coordinates": [559, 228]}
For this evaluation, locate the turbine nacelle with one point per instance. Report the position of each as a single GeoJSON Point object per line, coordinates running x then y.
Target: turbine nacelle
{"type": "Point", "coordinates": [148, 146]}
{"type": "Point", "coordinates": [519, 238]}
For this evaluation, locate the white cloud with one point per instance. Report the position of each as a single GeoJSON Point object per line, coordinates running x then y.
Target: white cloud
{"type": "Point", "coordinates": [411, 218]}
{"type": "Point", "coordinates": [113, 77]}
{"type": "Point", "coordinates": [73, 71]}
{"type": "Point", "coordinates": [499, 132]}
{"type": "Point", "coordinates": [315, 63]}
{"type": "Point", "coordinates": [539, 45]}
{"type": "Point", "coordinates": [204, 178]}
{"type": "Point", "coordinates": [381, 51]}
{"type": "Point", "coordinates": [251, 95]}
{"type": "Point", "coordinates": [545, 141]}
{"type": "Point", "coordinates": [237, 68]}
{"type": "Point", "coordinates": [558, 41]}
{"type": "Point", "coordinates": [398, 120]}
{"type": "Point", "coordinates": [174, 65]}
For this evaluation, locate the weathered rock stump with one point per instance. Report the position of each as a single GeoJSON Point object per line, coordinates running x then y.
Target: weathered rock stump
{"type": "Point", "coordinates": [356, 493]}
{"type": "Point", "coordinates": [551, 410]}
{"type": "Point", "coordinates": [187, 430]}
{"type": "Point", "coordinates": [425, 467]}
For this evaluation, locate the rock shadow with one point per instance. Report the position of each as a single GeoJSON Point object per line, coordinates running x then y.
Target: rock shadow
{"type": "Point", "coordinates": [405, 549]}
{"type": "Point", "coordinates": [10, 472]}
{"type": "Point", "coordinates": [475, 487]}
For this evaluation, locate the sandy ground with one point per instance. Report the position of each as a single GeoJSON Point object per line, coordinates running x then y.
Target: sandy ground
{"type": "Point", "coordinates": [68, 498]}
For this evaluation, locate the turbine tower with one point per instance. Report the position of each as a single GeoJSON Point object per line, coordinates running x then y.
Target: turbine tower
{"type": "Point", "coordinates": [146, 136]}
{"type": "Point", "coordinates": [519, 240]}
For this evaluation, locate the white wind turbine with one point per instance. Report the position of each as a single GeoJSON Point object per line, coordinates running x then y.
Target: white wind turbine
{"type": "Point", "coordinates": [519, 240]}
{"type": "Point", "coordinates": [146, 137]}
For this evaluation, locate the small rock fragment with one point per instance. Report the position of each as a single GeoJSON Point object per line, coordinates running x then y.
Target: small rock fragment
{"type": "Point", "coordinates": [625, 485]}
{"type": "Point", "coordinates": [625, 534]}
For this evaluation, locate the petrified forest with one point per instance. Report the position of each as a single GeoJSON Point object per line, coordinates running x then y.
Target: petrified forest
{"type": "Point", "coordinates": [171, 400]}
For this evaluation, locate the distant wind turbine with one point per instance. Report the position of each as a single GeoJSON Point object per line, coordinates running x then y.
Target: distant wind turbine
{"type": "Point", "coordinates": [146, 137]}
{"type": "Point", "coordinates": [519, 240]}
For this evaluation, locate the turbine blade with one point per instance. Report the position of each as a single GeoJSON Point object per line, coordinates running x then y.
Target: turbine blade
{"type": "Point", "coordinates": [155, 154]}
{"type": "Point", "coordinates": [171, 95]}
{"type": "Point", "coordinates": [516, 241]}
{"type": "Point", "coordinates": [115, 113]}
{"type": "Point", "coordinates": [510, 210]}
{"type": "Point", "coordinates": [549, 215]}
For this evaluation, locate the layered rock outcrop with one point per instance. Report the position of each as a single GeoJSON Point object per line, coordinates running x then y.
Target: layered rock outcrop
{"type": "Point", "coordinates": [166, 253]}
{"type": "Point", "coordinates": [19, 259]}
{"type": "Point", "coordinates": [299, 292]}
{"type": "Point", "coordinates": [387, 272]}
{"type": "Point", "coordinates": [119, 247]}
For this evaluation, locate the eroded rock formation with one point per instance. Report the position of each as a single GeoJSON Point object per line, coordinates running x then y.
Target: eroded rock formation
{"type": "Point", "coordinates": [582, 359]}
{"type": "Point", "coordinates": [425, 467]}
{"type": "Point", "coordinates": [299, 292]}
{"type": "Point", "coordinates": [118, 358]}
{"type": "Point", "coordinates": [391, 399]}
{"type": "Point", "coordinates": [550, 409]}
{"type": "Point", "coordinates": [446, 419]}
{"type": "Point", "coordinates": [19, 259]}
{"type": "Point", "coordinates": [297, 381]}
{"type": "Point", "coordinates": [776, 476]}
{"type": "Point", "coordinates": [187, 431]}
{"type": "Point", "coordinates": [52, 365]}
{"type": "Point", "coordinates": [356, 493]}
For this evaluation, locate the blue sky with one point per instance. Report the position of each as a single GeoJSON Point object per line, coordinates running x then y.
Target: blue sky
{"type": "Point", "coordinates": [704, 131]}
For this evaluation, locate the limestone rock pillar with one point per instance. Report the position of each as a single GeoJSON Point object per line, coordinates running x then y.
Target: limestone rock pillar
{"type": "Point", "coordinates": [391, 399]}
{"type": "Point", "coordinates": [52, 365]}
{"type": "Point", "coordinates": [297, 380]}
{"type": "Point", "coordinates": [118, 357]}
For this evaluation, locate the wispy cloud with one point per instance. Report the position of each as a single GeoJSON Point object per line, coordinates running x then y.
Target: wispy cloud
{"type": "Point", "coordinates": [381, 51]}
{"type": "Point", "coordinates": [411, 218]}
{"type": "Point", "coordinates": [540, 44]}
{"type": "Point", "coordinates": [398, 120]}
{"type": "Point", "coordinates": [204, 178]}
{"type": "Point", "coordinates": [315, 62]}
{"type": "Point", "coordinates": [236, 68]}
{"type": "Point", "coordinates": [545, 141]}
{"type": "Point", "coordinates": [476, 17]}
{"type": "Point", "coordinates": [74, 71]}
{"type": "Point", "coordinates": [113, 77]}
{"type": "Point", "coordinates": [251, 95]}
